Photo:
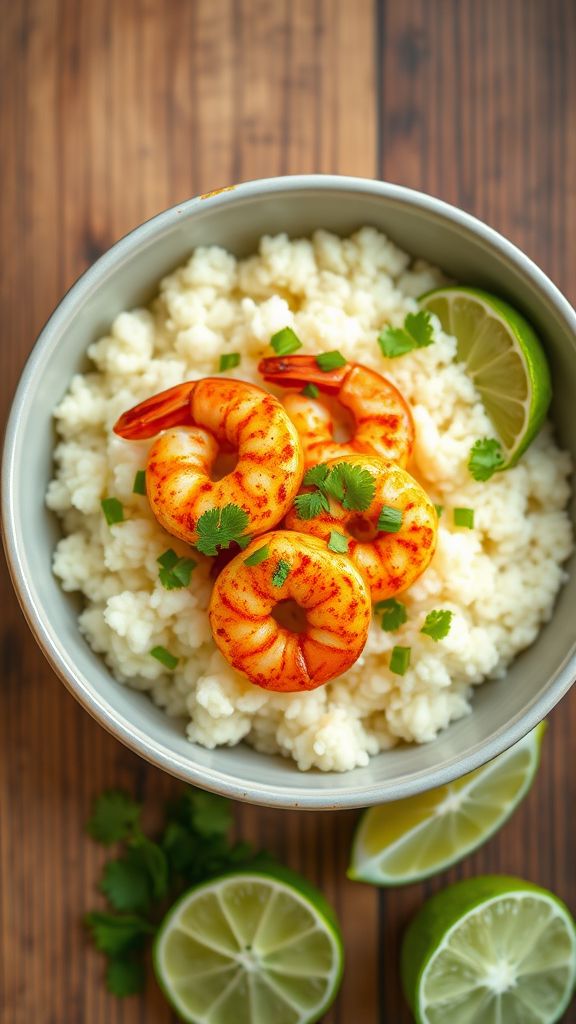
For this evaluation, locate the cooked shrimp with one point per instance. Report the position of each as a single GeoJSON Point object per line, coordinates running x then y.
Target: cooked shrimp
{"type": "Point", "coordinates": [389, 562]}
{"type": "Point", "coordinates": [383, 422]}
{"type": "Point", "coordinates": [199, 419]}
{"type": "Point", "coordinates": [296, 569]}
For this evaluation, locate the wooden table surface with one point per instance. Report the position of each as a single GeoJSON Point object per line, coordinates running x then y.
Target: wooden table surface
{"type": "Point", "coordinates": [112, 111]}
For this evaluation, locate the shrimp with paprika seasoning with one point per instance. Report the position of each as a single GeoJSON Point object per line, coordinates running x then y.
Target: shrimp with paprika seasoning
{"type": "Point", "coordinates": [383, 422]}
{"type": "Point", "coordinates": [285, 567]}
{"type": "Point", "coordinates": [392, 540]}
{"type": "Point", "coordinates": [198, 419]}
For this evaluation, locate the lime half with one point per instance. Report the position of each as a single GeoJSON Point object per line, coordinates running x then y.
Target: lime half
{"type": "Point", "coordinates": [408, 840]}
{"type": "Point", "coordinates": [491, 950]}
{"type": "Point", "coordinates": [504, 358]}
{"type": "Point", "coordinates": [250, 948]}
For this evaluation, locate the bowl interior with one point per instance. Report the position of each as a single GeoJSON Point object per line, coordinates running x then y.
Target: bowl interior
{"type": "Point", "coordinates": [127, 276]}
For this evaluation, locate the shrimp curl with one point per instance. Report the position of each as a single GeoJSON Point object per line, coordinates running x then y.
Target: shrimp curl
{"type": "Point", "coordinates": [199, 419]}
{"type": "Point", "coordinates": [328, 589]}
{"type": "Point", "coordinates": [383, 422]}
{"type": "Point", "coordinates": [389, 561]}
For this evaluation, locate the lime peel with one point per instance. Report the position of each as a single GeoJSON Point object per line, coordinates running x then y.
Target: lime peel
{"type": "Point", "coordinates": [261, 942]}
{"type": "Point", "coordinates": [504, 913]}
{"type": "Point", "coordinates": [504, 358]}
{"type": "Point", "coordinates": [389, 839]}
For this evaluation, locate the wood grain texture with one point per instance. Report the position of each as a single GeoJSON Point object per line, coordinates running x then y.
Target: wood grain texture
{"type": "Point", "coordinates": [112, 111]}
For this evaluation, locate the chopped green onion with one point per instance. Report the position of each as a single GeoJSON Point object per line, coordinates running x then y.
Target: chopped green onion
{"type": "Point", "coordinates": [439, 509]}
{"type": "Point", "coordinates": [113, 510]}
{"type": "Point", "coordinates": [285, 342]}
{"type": "Point", "coordinates": [327, 361]}
{"type": "Point", "coordinates": [390, 519]}
{"type": "Point", "coordinates": [310, 391]}
{"type": "Point", "coordinates": [394, 614]}
{"type": "Point", "coordinates": [164, 656]}
{"type": "Point", "coordinates": [464, 517]}
{"type": "Point", "coordinates": [338, 542]}
{"type": "Point", "coordinates": [281, 573]}
{"type": "Point", "coordinates": [168, 560]}
{"type": "Point", "coordinates": [258, 556]}
{"type": "Point", "coordinates": [400, 660]}
{"type": "Point", "coordinates": [229, 361]}
{"type": "Point", "coordinates": [437, 624]}
{"type": "Point", "coordinates": [139, 486]}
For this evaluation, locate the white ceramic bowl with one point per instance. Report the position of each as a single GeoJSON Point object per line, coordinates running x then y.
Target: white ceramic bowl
{"type": "Point", "coordinates": [126, 276]}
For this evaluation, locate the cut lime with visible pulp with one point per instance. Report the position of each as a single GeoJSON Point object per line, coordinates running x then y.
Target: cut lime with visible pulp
{"type": "Point", "coordinates": [504, 358]}
{"type": "Point", "coordinates": [250, 948]}
{"type": "Point", "coordinates": [490, 950]}
{"type": "Point", "coordinates": [407, 840]}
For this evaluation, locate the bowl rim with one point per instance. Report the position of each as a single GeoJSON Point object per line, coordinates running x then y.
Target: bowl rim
{"type": "Point", "coordinates": [38, 620]}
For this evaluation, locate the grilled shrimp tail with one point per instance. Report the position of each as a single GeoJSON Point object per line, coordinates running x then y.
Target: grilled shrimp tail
{"type": "Point", "coordinates": [294, 371]}
{"type": "Point", "coordinates": [170, 408]}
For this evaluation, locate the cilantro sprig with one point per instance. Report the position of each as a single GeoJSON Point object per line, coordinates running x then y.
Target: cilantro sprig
{"type": "Point", "coordinates": [417, 332]}
{"type": "Point", "coordinates": [486, 457]}
{"type": "Point", "coordinates": [218, 528]}
{"type": "Point", "coordinates": [149, 872]}
{"type": "Point", "coordinates": [437, 624]}
{"type": "Point", "coordinates": [352, 486]}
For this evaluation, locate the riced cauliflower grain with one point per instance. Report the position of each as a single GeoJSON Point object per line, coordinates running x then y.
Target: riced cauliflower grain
{"type": "Point", "coordinates": [499, 579]}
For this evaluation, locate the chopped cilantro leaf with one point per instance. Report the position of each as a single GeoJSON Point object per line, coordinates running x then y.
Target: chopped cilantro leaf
{"type": "Point", "coordinates": [218, 527]}
{"type": "Point", "coordinates": [139, 485]}
{"type": "Point", "coordinates": [115, 816]}
{"type": "Point", "coordinates": [419, 327]}
{"type": "Point", "coordinates": [353, 486]}
{"type": "Point", "coordinates": [229, 361]}
{"type": "Point", "coordinates": [311, 504]}
{"type": "Point", "coordinates": [168, 560]}
{"type": "Point", "coordinates": [327, 361]}
{"type": "Point", "coordinates": [310, 391]}
{"type": "Point", "coordinates": [394, 614]}
{"type": "Point", "coordinates": [260, 555]}
{"type": "Point", "coordinates": [164, 657]}
{"type": "Point", "coordinates": [390, 519]}
{"type": "Point", "coordinates": [417, 332]}
{"type": "Point", "coordinates": [400, 660]}
{"type": "Point", "coordinates": [126, 884]}
{"type": "Point", "coordinates": [175, 572]}
{"type": "Point", "coordinates": [316, 475]}
{"type": "Point", "coordinates": [486, 457]}
{"type": "Point", "coordinates": [338, 542]}
{"type": "Point", "coordinates": [117, 933]}
{"type": "Point", "coordinates": [209, 814]}
{"type": "Point", "coordinates": [437, 624]}
{"type": "Point", "coordinates": [281, 573]}
{"type": "Point", "coordinates": [113, 510]}
{"type": "Point", "coordinates": [285, 342]}
{"type": "Point", "coordinates": [463, 517]}
{"type": "Point", "coordinates": [125, 975]}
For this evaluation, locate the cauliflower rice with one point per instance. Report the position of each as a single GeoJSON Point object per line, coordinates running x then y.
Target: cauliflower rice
{"type": "Point", "coordinates": [499, 579]}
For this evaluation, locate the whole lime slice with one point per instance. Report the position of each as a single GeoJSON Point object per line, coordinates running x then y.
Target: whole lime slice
{"type": "Point", "coordinates": [250, 948]}
{"type": "Point", "coordinates": [504, 358]}
{"type": "Point", "coordinates": [490, 950]}
{"type": "Point", "coordinates": [407, 840]}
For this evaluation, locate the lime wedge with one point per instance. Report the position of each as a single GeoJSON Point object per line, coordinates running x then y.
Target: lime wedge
{"type": "Point", "coordinates": [490, 950]}
{"type": "Point", "coordinates": [250, 948]}
{"type": "Point", "coordinates": [408, 840]}
{"type": "Point", "coordinates": [504, 358]}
